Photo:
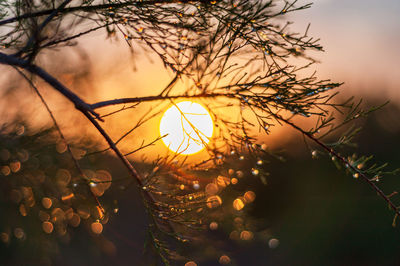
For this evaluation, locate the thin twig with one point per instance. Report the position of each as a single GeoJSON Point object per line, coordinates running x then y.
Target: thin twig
{"type": "Point", "coordinates": [76, 163]}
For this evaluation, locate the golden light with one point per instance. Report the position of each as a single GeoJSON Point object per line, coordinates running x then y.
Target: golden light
{"type": "Point", "coordinates": [224, 260]}
{"type": "Point", "coordinates": [47, 227]}
{"type": "Point", "coordinates": [97, 228]}
{"type": "Point", "coordinates": [188, 127]}
{"type": "Point", "coordinates": [249, 196]}
{"type": "Point", "coordinates": [47, 202]}
{"type": "Point", "coordinates": [246, 235]}
{"type": "Point", "coordinates": [238, 204]}
{"type": "Point", "coordinates": [214, 202]}
{"type": "Point", "coordinates": [213, 225]}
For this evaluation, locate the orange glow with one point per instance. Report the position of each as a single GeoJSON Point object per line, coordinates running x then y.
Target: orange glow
{"type": "Point", "coordinates": [214, 202]}
{"type": "Point", "coordinates": [211, 189]}
{"type": "Point", "coordinates": [246, 235]}
{"type": "Point", "coordinates": [249, 196]}
{"type": "Point", "coordinates": [47, 227]}
{"type": "Point", "coordinates": [188, 127]}
{"type": "Point", "coordinates": [224, 260]}
{"type": "Point", "coordinates": [238, 204]}
{"type": "Point", "coordinates": [67, 197]}
{"type": "Point", "coordinates": [213, 225]}
{"type": "Point", "coordinates": [47, 202]}
{"type": "Point", "coordinates": [96, 227]}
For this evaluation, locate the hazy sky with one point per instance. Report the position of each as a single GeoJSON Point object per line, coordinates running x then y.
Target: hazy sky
{"type": "Point", "coordinates": [361, 39]}
{"type": "Point", "coordinates": [362, 42]}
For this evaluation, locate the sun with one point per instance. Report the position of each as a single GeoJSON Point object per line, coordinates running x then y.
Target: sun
{"type": "Point", "coordinates": [188, 127]}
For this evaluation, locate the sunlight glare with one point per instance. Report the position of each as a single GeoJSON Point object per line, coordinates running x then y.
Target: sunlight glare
{"type": "Point", "coordinates": [189, 127]}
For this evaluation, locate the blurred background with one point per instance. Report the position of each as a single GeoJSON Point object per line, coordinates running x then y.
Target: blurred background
{"type": "Point", "coordinates": [317, 213]}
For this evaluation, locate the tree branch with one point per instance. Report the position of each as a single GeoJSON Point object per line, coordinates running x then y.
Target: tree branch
{"type": "Point", "coordinates": [78, 102]}
{"type": "Point", "coordinates": [158, 98]}
{"type": "Point", "coordinates": [91, 8]}
{"type": "Point", "coordinates": [76, 163]}
{"type": "Point", "coordinates": [87, 111]}
{"type": "Point", "coordinates": [343, 160]}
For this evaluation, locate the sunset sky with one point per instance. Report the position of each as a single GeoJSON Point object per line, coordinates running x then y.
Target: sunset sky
{"type": "Point", "coordinates": [361, 40]}
{"type": "Point", "coordinates": [360, 37]}
{"type": "Point", "coordinates": [230, 134]}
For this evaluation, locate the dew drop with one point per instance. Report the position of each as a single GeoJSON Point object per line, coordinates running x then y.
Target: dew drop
{"type": "Point", "coordinates": [196, 185]}
{"type": "Point", "coordinates": [239, 174]}
{"type": "Point", "coordinates": [47, 227]}
{"type": "Point", "coordinates": [4, 237]}
{"type": "Point", "coordinates": [75, 220]}
{"type": "Point", "coordinates": [47, 202]}
{"type": "Point", "coordinates": [15, 166]}
{"type": "Point", "coordinates": [5, 170]}
{"type": "Point", "coordinates": [246, 235]}
{"type": "Point", "coordinates": [22, 210]}
{"type": "Point", "coordinates": [211, 189]}
{"type": "Point", "coordinates": [273, 243]}
{"type": "Point", "coordinates": [249, 196]}
{"type": "Point", "coordinates": [238, 204]}
{"type": "Point", "coordinates": [255, 171]}
{"type": "Point", "coordinates": [224, 260]}
{"type": "Point", "coordinates": [19, 233]}
{"type": "Point", "coordinates": [213, 202]}
{"type": "Point", "coordinates": [264, 147]}
{"type": "Point", "coordinates": [97, 228]}
{"type": "Point", "coordinates": [222, 181]}
{"type": "Point", "coordinates": [314, 154]}
{"type": "Point", "coordinates": [213, 225]}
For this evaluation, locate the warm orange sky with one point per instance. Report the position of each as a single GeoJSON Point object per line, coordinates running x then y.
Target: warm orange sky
{"type": "Point", "coordinates": [361, 39]}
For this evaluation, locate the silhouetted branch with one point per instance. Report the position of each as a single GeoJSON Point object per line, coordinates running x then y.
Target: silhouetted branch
{"type": "Point", "coordinates": [88, 9]}
{"type": "Point", "coordinates": [76, 163]}
{"type": "Point", "coordinates": [36, 70]}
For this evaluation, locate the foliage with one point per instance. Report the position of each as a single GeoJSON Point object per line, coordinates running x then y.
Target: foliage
{"type": "Point", "coordinates": [236, 57]}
